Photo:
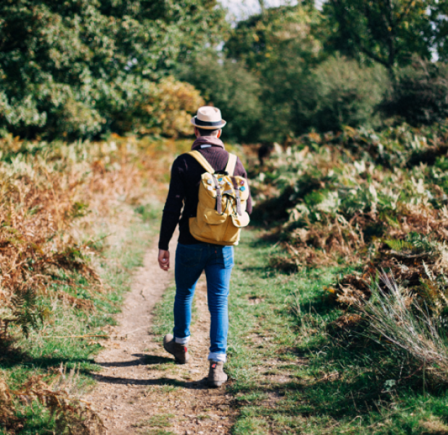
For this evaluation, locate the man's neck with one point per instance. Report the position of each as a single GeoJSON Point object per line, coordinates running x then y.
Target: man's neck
{"type": "Point", "coordinates": [207, 140]}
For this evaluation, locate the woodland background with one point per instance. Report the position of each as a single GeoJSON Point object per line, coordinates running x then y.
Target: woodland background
{"type": "Point", "coordinates": [81, 69]}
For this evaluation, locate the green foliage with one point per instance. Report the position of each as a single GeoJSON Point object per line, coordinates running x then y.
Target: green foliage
{"type": "Point", "coordinates": [276, 37]}
{"type": "Point", "coordinates": [232, 88]}
{"type": "Point", "coordinates": [388, 32]}
{"type": "Point", "coordinates": [439, 14]}
{"type": "Point", "coordinates": [75, 68]}
{"type": "Point", "coordinates": [27, 312]}
{"type": "Point", "coordinates": [279, 47]}
{"type": "Point", "coordinates": [420, 94]}
{"type": "Point", "coordinates": [304, 82]}
{"type": "Point", "coordinates": [340, 92]}
{"type": "Point", "coordinates": [301, 89]}
{"type": "Point", "coordinates": [344, 193]}
{"type": "Point", "coordinates": [414, 243]}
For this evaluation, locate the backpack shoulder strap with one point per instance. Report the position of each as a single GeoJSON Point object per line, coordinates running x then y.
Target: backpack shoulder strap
{"type": "Point", "coordinates": [231, 164]}
{"type": "Point", "coordinates": [202, 161]}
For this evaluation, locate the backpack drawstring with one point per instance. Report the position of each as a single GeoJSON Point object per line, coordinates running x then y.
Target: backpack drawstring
{"type": "Point", "coordinates": [219, 196]}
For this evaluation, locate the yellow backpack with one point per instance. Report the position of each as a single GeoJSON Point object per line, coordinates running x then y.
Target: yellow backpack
{"type": "Point", "coordinates": [222, 204]}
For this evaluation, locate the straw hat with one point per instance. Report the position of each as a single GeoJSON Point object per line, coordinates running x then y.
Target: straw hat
{"type": "Point", "coordinates": [208, 118]}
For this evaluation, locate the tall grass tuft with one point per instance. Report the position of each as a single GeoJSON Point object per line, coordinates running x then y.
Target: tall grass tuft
{"type": "Point", "coordinates": [397, 318]}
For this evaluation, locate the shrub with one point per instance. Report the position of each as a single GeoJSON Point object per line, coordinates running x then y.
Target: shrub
{"type": "Point", "coordinates": [420, 94]}
{"type": "Point", "coordinates": [279, 46]}
{"type": "Point", "coordinates": [229, 86]}
{"type": "Point", "coordinates": [340, 92]}
{"type": "Point", "coordinates": [344, 194]}
{"type": "Point", "coordinates": [163, 108]}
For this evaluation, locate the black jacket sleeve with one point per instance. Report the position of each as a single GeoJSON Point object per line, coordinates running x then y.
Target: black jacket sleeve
{"type": "Point", "coordinates": [173, 205]}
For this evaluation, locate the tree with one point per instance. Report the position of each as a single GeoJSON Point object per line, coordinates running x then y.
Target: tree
{"type": "Point", "coordinates": [265, 38]}
{"type": "Point", "coordinates": [77, 67]}
{"type": "Point", "coordinates": [279, 47]}
{"type": "Point", "coordinates": [340, 92]}
{"type": "Point", "coordinates": [420, 94]}
{"type": "Point", "coordinates": [439, 18]}
{"type": "Point", "coordinates": [229, 86]}
{"type": "Point", "coordinates": [389, 32]}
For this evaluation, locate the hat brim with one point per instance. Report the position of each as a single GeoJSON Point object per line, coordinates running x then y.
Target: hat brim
{"type": "Point", "coordinates": [208, 127]}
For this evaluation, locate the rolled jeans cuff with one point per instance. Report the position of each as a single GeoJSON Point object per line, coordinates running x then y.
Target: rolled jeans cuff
{"type": "Point", "coordinates": [184, 340]}
{"type": "Point", "coordinates": [219, 357]}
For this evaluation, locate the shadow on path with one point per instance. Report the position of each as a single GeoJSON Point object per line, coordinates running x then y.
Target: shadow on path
{"type": "Point", "coordinates": [191, 385]}
{"type": "Point", "coordinates": [142, 360]}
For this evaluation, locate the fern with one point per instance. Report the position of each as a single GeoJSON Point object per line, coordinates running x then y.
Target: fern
{"type": "Point", "coordinates": [27, 314]}
{"type": "Point", "coordinates": [398, 245]}
{"type": "Point", "coordinates": [414, 243]}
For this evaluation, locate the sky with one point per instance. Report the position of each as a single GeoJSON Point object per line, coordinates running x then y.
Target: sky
{"type": "Point", "coordinates": [241, 9]}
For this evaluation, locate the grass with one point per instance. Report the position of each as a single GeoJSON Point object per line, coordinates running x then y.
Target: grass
{"type": "Point", "coordinates": [163, 315]}
{"type": "Point", "coordinates": [156, 432]}
{"type": "Point", "coordinates": [293, 372]}
{"type": "Point", "coordinates": [159, 420]}
{"type": "Point", "coordinates": [46, 351]}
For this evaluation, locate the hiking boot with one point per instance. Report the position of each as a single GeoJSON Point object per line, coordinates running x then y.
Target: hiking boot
{"type": "Point", "coordinates": [216, 375]}
{"type": "Point", "coordinates": [179, 351]}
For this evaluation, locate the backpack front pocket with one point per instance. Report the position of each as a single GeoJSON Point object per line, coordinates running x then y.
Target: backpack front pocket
{"type": "Point", "coordinates": [212, 217]}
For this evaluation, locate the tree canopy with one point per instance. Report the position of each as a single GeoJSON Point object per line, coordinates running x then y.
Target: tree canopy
{"type": "Point", "coordinates": [279, 47]}
{"type": "Point", "coordinates": [81, 68]}
{"type": "Point", "coordinates": [390, 32]}
{"type": "Point", "coordinates": [76, 67]}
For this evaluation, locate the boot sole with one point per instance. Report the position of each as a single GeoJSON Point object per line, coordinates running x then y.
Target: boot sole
{"type": "Point", "coordinates": [214, 384]}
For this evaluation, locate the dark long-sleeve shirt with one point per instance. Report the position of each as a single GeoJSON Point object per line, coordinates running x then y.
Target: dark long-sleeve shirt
{"type": "Point", "coordinates": [184, 189]}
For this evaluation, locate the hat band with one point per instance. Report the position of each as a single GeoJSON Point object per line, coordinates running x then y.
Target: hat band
{"type": "Point", "coordinates": [207, 123]}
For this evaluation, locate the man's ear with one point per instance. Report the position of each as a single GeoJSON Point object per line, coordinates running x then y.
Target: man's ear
{"type": "Point", "coordinates": [219, 134]}
{"type": "Point", "coordinates": [196, 132]}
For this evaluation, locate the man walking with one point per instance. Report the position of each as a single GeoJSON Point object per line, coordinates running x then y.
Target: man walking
{"type": "Point", "coordinates": [192, 255]}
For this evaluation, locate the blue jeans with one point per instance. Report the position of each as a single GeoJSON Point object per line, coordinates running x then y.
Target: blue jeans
{"type": "Point", "coordinates": [217, 262]}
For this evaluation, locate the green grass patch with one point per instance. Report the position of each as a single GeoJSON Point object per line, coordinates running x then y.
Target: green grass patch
{"type": "Point", "coordinates": [159, 420]}
{"type": "Point", "coordinates": [163, 314]}
{"type": "Point", "coordinates": [292, 372]}
{"type": "Point", "coordinates": [155, 432]}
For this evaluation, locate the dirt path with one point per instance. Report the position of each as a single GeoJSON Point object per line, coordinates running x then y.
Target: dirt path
{"type": "Point", "coordinates": [140, 390]}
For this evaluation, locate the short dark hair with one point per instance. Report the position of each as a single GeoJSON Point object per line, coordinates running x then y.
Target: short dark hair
{"type": "Point", "coordinates": [205, 132]}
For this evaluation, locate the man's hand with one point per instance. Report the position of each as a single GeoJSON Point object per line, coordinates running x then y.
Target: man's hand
{"type": "Point", "coordinates": [164, 259]}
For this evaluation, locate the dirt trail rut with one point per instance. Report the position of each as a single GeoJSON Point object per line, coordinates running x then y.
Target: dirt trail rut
{"type": "Point", "coordinates": [140, 390]}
